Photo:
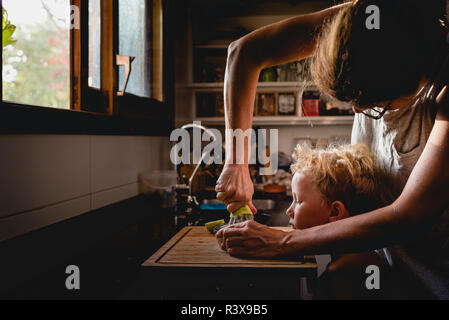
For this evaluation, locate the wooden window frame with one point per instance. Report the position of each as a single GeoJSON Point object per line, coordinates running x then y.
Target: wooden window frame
{"type": "Point", "coordinates": [79, 58]}
{"type": "Point", "coordinates": [127, 115]}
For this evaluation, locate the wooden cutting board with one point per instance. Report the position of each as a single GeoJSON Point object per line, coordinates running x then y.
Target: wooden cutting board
{"type": "Point", "coordinates": [196, 247]}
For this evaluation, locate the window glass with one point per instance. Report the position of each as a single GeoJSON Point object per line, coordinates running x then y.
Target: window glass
{"type": "Point", "coordinates": [94, 43]}
{"type": "Point", "coordinates": [36, 67]}
{"type": "Point", "coordinates": [135, 40]}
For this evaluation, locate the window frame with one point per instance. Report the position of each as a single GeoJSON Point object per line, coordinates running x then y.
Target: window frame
{"type": "Point", "coordinates": [127, 115]}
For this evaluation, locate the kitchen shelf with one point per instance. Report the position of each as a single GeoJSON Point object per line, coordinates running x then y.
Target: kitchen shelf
{"type": "Point", "coordinates": [212, 46]}
{"type": "Point", "coordinates": [267, 85]}
{"type": "Point", "coordinates": [287, 120]}
{"type": "Point", "coordinates": [208, 35]}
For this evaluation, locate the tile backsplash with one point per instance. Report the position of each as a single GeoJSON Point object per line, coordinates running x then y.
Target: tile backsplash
{"type": "Point", "coordinates": [48, 178]}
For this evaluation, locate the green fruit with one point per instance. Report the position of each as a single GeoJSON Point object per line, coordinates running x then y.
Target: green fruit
{"type": "Point", "coordinates": [212, 224]}
{"type": "Point", "coordinates": [243, 211]}
{"type": "Point", "coordinates": [241, 215]}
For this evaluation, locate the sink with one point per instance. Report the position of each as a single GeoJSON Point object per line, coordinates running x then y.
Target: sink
{"type": "Point", "coordinates": [264, 204]}
{"type": "Point", "coordinates": [213, 209]}
{"type": "Point", "coordinates": [207, 201]}
{"type": "Point", "coordinates": [260, 204]}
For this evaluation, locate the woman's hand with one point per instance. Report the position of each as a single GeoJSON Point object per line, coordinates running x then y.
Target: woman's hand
{"type": "Point", "coordinates": [235, 187]}
{"type": "Point", "coordinates": [250, 238]}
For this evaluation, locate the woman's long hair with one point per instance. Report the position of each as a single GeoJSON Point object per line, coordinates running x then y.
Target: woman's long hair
{"type": "Point", "coordinates": [363, 66]}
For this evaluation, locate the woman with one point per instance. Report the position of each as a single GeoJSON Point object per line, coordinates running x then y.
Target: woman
{"type": "Point", "coordinates": [387, 74]}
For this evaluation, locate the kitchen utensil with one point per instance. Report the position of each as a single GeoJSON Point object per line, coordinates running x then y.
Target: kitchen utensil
{"type": "Point", "coordinates": [240, 215]}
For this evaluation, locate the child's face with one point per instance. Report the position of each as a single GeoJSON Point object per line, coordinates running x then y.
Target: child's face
{"type": "Point", "coordinates": [308, 208]}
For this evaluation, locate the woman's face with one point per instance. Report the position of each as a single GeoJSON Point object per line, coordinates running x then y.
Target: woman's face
{"type": "Point", "coordinates": [400, 102]}
{"type": "Point", "coordinates": [308, 208]}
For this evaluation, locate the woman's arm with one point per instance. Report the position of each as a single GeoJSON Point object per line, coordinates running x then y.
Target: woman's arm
{"type": "Point", "coordinates": [422, 201]}
{"type": "Point", "coordinates": [288, 40]}
{"type": "Point", "coordinates": [285, 41]}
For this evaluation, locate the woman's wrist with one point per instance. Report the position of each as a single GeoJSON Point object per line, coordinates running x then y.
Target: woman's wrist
{"type": "Point", "coordinates": [289, 243]}
{"type": "Point", "coordinates": [238, 146]}
{"type": "Point", "coordinates": [298, 242]}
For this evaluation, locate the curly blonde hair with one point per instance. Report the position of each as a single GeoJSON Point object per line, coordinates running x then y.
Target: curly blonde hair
{"type": "Point", "coordinates": [348, 173]}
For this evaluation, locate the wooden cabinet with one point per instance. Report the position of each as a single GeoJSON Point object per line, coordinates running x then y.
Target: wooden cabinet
{"type": "Point", "coordinates": [210, 26]}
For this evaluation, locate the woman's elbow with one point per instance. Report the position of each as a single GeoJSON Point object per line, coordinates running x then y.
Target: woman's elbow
{"type": "Point", "coordinates": [243, 50]}
{"type": "Point", "coordinates": [234, 49]}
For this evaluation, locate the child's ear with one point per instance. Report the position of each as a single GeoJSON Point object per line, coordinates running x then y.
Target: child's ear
{"type": "Point", "coordinates": [338, 211]}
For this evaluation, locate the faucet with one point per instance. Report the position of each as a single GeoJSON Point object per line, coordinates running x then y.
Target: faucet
{"type": "Point", "coordinates": [191, 199]}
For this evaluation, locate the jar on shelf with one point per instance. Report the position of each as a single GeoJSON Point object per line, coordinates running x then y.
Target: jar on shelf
{"type": "Point", "coordinates": [311, 104]}
{"type": "Point", "coordinates": [268, 75]}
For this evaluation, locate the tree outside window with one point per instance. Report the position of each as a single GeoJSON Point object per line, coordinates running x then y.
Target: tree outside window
{"type": "Point", "coordinates": [36, 68]}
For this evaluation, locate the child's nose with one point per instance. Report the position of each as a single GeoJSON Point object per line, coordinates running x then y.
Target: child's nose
{"type": "Point", "coordinates": [289, 211]}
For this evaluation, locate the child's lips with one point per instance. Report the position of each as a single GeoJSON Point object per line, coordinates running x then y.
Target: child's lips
{"type": "Point", "coordinates": [292, 224]}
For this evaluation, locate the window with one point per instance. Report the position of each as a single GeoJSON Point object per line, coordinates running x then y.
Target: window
{"type": "Point", "coordinates": [94, 43]}
{"type": "Point", "coordinates": [75, 54]}
{"type": "Point", "coordinates": [135, 41]}
{"type": "Point", "coordinates": [36, 68]}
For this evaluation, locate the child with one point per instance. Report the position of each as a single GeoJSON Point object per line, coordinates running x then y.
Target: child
{"type": "Point", "coordinates": [333, 184]}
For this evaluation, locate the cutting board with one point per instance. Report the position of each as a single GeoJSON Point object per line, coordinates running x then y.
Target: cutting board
{"type": "Point", "coordinates": [196, 247]}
